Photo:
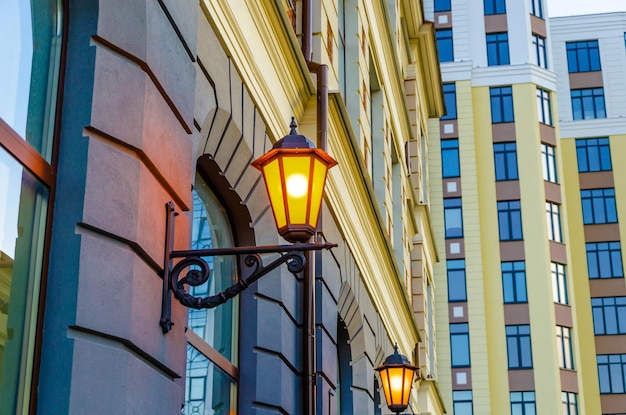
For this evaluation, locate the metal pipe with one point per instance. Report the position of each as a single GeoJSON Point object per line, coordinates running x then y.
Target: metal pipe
{"type": "Point", "coordinates": [307, 29]}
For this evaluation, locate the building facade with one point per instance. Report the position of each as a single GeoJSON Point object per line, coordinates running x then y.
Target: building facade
{"type": "Point", "coordinates": [112, 109]}
{"type": "Point", "coordinates": [531, 258]}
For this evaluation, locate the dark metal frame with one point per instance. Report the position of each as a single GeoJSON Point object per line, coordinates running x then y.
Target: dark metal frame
{"type": "Point", "coordinates": [292, 255]}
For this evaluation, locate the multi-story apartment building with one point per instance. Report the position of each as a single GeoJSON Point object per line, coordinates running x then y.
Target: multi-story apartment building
{"type": "Point", "coordinates": [110, 109]}
{"type": "Point", "coordinates": [526, 214]}
{"type": "Point", "coordinates": [590, 56]}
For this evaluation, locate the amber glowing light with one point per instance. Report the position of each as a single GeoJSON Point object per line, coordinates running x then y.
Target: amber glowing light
{"type": "Point", "coordinates": [295, 173]}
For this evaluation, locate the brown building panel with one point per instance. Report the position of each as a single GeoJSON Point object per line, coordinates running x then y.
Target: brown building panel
{"type": "Point", "coordinates": [602, 233]}
{"type": "Point", "coordinates": [452, 187]}
{"type": "Point", "coordinates": [596, 180]}
{"type": "Point", "coordinates": [607, 287]}
{"type": "Point", "coordinates": [516, 314]}
{"type": "Point", "coordinates": [613, 404]}
{"type": "Point", "coordinates": [508, 190]}
{"type": "Point", "coordinates": [547, 134]}
{"type": "Point", "coordinates": [569, 381]}
{"type": "Point", "coordinates": [563, 315]}
{"type": "Point", "coordinates": [611, 344]}
{"type": "Point", "coordinates": [455, 249]}
{"type": "Point", "coordinates": [579, 80]}
{"type": "Point", "coordinates": [521, 380]}
{"type": "Point", "coordinates": [461, 379]}
{"type": "Point", "coordinates": [448, 129]}
{"type": "Point", "coordinates": [503, 132]}
{"type": "Point", "coordinates": [457, 312]}
{"type": "Point", "coordinates": [558, 253]}
{"type": "Point", "coordinates": [443, 20]}
{"type": "Point", "coordinates": [512, 251]}
{"type": "Point", "coordinates": [553, 192]}
{"type": "Point", "coordinates": [496, 23]}
{"type": "Point", "coordinates": [538, 26]}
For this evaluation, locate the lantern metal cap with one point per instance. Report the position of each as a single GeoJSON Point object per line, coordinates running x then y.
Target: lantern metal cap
{"type": "Point", "coordinates": [293, 139]}
{"type": "Point", "coordinates": [396, 359]}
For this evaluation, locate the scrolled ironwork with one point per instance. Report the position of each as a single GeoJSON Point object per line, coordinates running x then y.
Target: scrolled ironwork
{"type": "Point", "coordinates": [295, 263]}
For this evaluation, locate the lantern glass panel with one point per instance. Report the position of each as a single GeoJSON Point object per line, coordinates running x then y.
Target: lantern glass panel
{"type": "Point", "coordinates": [317, 190]}
{"type": "Point", "coordinates": [273, 181]}
{"type": "Point", "coordinates": [297, 175]}
{"type": "Point", "coordinates": [396, 383]}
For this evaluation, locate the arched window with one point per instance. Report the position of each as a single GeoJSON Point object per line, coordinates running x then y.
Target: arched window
{"type": "Point", "coordinates": [30, 46]}
{"type": "Point", "coordinates": [344, 375]}
{"type": "Point", "coordinates": [212, 352]}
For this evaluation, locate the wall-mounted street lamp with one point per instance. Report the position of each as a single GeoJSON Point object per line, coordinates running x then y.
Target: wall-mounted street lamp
{"type": "Point", "coordinates": [396, 375]}
{"type": "Point", "coordinates": [294, 172]}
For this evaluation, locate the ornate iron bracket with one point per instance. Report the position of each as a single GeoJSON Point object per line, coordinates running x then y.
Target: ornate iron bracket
{"type": "Point", "coordinates": [292, 255]}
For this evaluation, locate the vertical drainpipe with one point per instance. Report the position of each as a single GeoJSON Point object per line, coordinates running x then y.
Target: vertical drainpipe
{"type": "Point", "coordinates": [309, 375]}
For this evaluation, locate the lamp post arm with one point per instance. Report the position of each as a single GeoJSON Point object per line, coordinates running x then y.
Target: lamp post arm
{"type": "Point", "coordinates": [295, 262]}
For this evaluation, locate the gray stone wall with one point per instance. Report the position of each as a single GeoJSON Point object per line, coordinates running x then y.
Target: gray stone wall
{"type": "Point", "coordinates": [149, 89]}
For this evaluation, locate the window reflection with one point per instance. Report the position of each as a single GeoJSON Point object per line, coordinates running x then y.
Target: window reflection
{"type": "Point", "coordinates": [209, 391]}
{"type": "Point", "coordinates": [30, 46]}
{"type": "Point", "coordinates": [210, 388]}
{"type": "Point", "coordinates": [23, 207]}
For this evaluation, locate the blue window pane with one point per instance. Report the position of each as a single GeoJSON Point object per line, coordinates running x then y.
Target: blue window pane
{"type": "Point", "coordinates": [459, 343]}
{"type": "Point", "coordinates": [450, 158]}
{"type": "Point", "coordinates": [456, 280]}
{"type": "Point", "coordinates": [594, 154]}
{"type": "Point", "coordinates": [449, 95]}
{"type": "Point", "coordinates": [445, 45]}
{"type": "Point", "coordinates": [442, 5]}
{"type": "Point", "coordinates": [453, 218]}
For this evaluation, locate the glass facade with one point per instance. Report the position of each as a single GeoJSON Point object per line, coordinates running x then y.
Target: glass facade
{"type": "Point", "coordinates": [29, 75]}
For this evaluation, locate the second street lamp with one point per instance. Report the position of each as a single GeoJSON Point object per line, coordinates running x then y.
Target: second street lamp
{"type": "Point", "coordinates": [396, 375]}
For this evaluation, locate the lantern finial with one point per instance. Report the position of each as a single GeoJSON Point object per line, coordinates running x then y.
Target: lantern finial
{"type": "Point", "coordinates": [293, 126]}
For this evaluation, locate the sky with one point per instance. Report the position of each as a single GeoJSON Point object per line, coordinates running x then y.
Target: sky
{"type": "Point", "coordinates": [574, 7]}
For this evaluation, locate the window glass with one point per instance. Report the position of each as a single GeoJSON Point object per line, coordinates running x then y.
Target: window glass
{"type": "Point", "coordinates": [570, 403]}
{"type": "Point", "coordinates": [445, 45]}
{"type": "Point", "coordinates": [541, 56]}
{"type": "Point", "coordinates": [30, 46]}
{"type": "Point", "coordinates": [514, 282]}
{"type": "Point", "coordinates": [609, 315]}
{"type": "Point", "coordinates": [449, 95]}
{"type": "Point", "coordinates": [612, 373]}
{"type": "Point", "coordinates": [442, 5]}
{"type": "Point", "coordinates": [548, 161]}
{"type": "Point", "coordinates": [208, 390]}
{"type": "Point", "coordinates": [594, 154]}
{"type": "Point", "coordinates": [564, 347]}
{"type": "Point", "coordinates": [456, 280]}
{"type": "Point", "coordinates": [588, 103]}
{"type": "Point", "coordinates": [553, 218]}
{"type": "Point", "coordinates": [459, 343]}
{"type": "Point", "coordinates": [23, 209]}
{"type": "Point", "coordinates": [450, 158]}
{"type": "Point", "coordinates": [453, 217]}
{"type": "Point", "coordinates": [497, 49]}
{"type": "Point", "coordinates": [583, 56]}
{"type": "Point", "coordinates": [209, 387]}
{"type": "Point", "coordinates": [510, 220]}
{"type": "Point", "coordinates": [544, 110]}
{"type": "Point", "coordinates": [604, 260]}
{"type": "Point", "coordinates": [462, 403]}
{"type": "Point", "coordinates": [501, 104]}
{"type": "Point", "coordinates": [518, 347]}
{"type": "Point", "coordinates": [598, 206]}
{"type": "Point", "coordinates": [505, 161]}
{"type": "Point", "coordinates": [559, 283]}
{"type": "Point", "coordinates": [523, 403]}
{"type": "Point", "coordinates": [495, 7]}
{"type": "Point", "coordinates": [536, 8]}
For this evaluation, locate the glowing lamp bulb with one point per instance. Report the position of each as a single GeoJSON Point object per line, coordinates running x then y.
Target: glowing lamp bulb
{"type": "Point", "coordinates": [297, 185]}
